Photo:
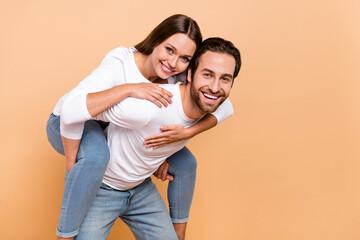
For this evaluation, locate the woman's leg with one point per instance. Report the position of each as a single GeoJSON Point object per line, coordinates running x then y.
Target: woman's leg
{"type": "Point", "coordinates": [84, 179]}
{"type": "Point", "coordinates": [182, 165]}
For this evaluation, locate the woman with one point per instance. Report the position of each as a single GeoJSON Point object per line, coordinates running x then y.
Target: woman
{"type": "Point", "coordinates": [164, 53]}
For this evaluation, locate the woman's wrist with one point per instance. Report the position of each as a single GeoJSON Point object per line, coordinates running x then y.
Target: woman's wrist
{"type": "Point", "coordinates": [189, 132]}
{"type": "Point", "coordinates": [125, 90]}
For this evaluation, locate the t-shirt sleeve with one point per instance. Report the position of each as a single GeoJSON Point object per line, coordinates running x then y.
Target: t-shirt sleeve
{"type": "Point", "coordinates": [74, 112]}
{"type": "Point", "coordinates": [224, 111]}
{"type": "Point", "coordinates": [130, 113]}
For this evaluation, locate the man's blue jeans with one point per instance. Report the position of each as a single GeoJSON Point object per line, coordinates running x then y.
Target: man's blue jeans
{"type": "Point", "coordinates": [84, 179]}
{"type": "Point", "coordinates": [141, 208]}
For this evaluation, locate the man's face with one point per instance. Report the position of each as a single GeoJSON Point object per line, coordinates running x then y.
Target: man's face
{"type": "Point", "coordinates": [212, 80]}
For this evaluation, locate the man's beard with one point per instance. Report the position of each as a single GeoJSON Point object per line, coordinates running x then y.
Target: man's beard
{"type": "Point", "coordinates": [203, 106]}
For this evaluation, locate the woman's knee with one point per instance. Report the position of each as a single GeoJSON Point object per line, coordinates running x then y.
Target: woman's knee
{"type": "Point", "coordinates": [53, 133]}
{"type": "Point", "coordinates": [93, 146]}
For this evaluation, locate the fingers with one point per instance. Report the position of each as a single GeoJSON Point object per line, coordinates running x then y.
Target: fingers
{"type": "Point", "coordinates": [156, 173]}
{"type": "Point", "coordinates": [155, 101]}
{"type": "Point", "coordinates": [152, 92]}
{"type": "Point", "coordinates": [161, 95]}
{"type": "Point", "coordinates": [157, 145]}
{"type": "Point", "coordinates": [169, 177]}
{"type": "Point", "coordinates": [165, 94]}
{"type": "Point", "coordinates": [165, 133]}
{"type": "Point", "coordinates": [164, 171]}
{"type": "Point", "coordinates": [167, 127]}
{"type": "Point", "coordinates": [160, 171]}
{"type": "Point", "coordinates": [156, 136]}
{"type": "Point", "coordinates": [156, 140]}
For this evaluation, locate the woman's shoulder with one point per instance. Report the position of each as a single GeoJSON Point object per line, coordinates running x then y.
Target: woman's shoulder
{"type": "Point", "coordinates": [120, 53]}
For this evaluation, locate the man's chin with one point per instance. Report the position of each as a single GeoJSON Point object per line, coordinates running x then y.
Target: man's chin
{"type": "Point", "coordinates": [209, 108]}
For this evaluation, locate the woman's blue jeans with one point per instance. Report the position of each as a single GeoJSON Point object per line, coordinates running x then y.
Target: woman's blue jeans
{"type": "Point", "coordinates": [83, 181]}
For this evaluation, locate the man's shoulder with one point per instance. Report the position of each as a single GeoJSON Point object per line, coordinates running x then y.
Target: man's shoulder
{"type": "Point", "coordinates": [173, 88]}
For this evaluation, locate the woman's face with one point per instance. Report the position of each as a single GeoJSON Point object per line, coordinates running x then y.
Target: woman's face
{"type": "Point", "coordinates": [173, 55]}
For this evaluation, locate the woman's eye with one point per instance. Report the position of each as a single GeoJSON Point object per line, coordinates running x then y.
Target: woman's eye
{"type": "Point", "coordinates": [185, 59]}
{"type": "Point", "coordinates": [169, 50]}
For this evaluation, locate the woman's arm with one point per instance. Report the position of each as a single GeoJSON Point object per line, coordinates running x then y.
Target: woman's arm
{"type": "Point", "coordinates": [100, 101]}
{"type": "Point", "coordinates": [174, 133]}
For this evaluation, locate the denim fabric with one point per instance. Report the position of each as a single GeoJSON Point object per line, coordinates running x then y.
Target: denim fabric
{"type": "Point", "coordinates": [182, 165]}
{"type": "Point", "coordinates": [141, 208]}
{"type": "Point", "coordinates": [84, 179]}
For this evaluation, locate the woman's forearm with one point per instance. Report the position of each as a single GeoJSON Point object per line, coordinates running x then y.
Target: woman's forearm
{"type": "Point", "coordinates": [209, 121]}
{"type": "Point", "coordinates": [98, 102]}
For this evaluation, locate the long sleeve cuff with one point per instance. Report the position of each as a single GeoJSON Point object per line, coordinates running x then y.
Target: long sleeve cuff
{"type": "Point", "coordinates": [74, 113]}
{"type": "Point", "coordinates": [224, 111]}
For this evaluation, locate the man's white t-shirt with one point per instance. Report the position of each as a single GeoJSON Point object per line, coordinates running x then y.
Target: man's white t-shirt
{"type": "Point", "coordinates": [131, 121]}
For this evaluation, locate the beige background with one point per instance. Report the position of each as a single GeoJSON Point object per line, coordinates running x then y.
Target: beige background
{"type": "Point", "coordinates": [284, 167]}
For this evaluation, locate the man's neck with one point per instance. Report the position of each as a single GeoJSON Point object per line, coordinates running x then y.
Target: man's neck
{"type": "Point", "coordinates": [191, 110]}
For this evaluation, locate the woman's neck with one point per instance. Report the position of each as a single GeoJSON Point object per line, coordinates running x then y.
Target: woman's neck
{"type": "Point", "coordinates": [143, 64]}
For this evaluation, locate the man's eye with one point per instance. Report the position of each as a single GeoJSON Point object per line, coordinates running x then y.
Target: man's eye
{"type": "Point", "coordinates": [227, 79]}
{"type": "Point", "coordinates": [169, 50]}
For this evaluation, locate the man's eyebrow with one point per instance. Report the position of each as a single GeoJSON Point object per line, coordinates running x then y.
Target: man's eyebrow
{"type": "Point", "coordinates": [212, 72]}
{"type": "Point", "coordinates": [228, 75]}
{"type": "Point", "coordinates": [207, 70]}
{"type": "Point", "coordinates": [189, 56]}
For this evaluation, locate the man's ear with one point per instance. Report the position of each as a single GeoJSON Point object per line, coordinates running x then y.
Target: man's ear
{"type": "Point", "coordinates": [189, 75]}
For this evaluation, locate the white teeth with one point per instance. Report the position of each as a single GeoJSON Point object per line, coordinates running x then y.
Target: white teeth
{"type": "Point", "coordinates": [165, 68]}
{"type": "Point", "coordinates": [210, 96]}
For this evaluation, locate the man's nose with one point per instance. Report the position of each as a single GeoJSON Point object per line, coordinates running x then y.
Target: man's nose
{"type": "Point", "coordinates": [214, 85]}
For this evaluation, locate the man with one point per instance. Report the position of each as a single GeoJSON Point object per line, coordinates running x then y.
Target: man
{"type": "Point", "coordinates": [127, 191]}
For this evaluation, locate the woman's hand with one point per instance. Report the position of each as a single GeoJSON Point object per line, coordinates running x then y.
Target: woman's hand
{"type": "Point", "coordinates": [170, 134]}
{"type": "Point", "coordinates": [161, 172]}
{"type": "Point", "coordinates": [151, 92]}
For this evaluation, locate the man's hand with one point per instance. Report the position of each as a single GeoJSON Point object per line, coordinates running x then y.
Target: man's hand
{"type": "Point", "coordinates": [161, 172]}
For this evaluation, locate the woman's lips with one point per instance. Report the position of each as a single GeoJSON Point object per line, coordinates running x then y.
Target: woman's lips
{"type": "Point", "coordinates": [166, 69]}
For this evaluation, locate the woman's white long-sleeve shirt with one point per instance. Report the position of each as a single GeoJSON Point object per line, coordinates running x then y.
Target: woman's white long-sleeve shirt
{"type": "Point", "coordinates": [118, 67]}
